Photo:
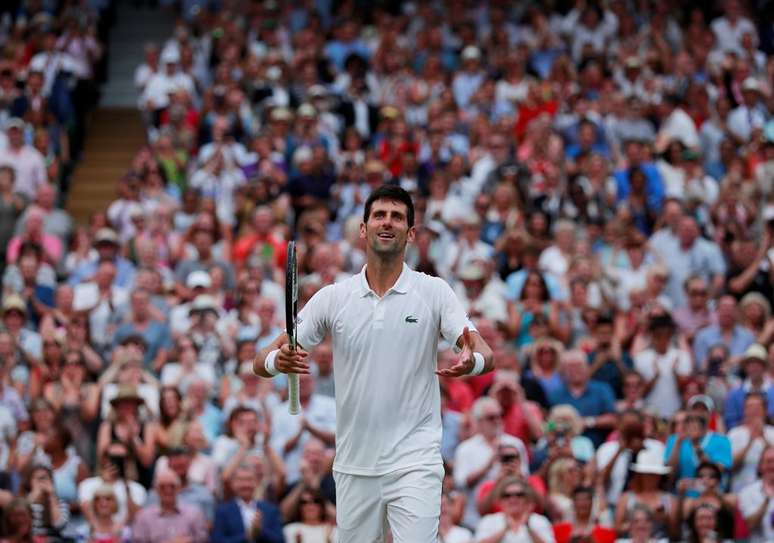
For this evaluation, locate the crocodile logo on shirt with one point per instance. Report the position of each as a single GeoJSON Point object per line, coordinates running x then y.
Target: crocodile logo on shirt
{"type": "Point", "coordinates": [411, 318]}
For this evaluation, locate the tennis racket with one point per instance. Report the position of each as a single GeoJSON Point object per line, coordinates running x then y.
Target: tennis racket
{"type": "Point", "coordinates": [291, 314]}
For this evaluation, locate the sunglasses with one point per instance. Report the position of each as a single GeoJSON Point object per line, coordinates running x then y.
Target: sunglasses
{"type": "Point", "coordinates": [309, 501]}
{"type": "Point", "coordinates": [505, 458]}
{"type": "Point", "coordinates": [517, 494]}
{"type": "Point", "coordinates": [491, 417]}
{"type": "Point", "coordinates": [707, 475]}
{"type": "Point", "coordinates": [697, 293]}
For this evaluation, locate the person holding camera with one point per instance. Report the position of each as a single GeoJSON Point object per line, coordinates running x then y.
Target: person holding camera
{"type": "Point", "coordinates": [707, 486]}
{"type": "Point", "coordinates": [49, 515]}
{"type": "Point", "coordinates": [509, 465]}
{"type": "Point", "coordinates": [130, 495]}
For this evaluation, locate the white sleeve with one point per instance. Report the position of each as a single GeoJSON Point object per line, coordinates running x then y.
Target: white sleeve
{"type": "Point", "coordinates": [488, 526]}
{"type": "Point", "coordinates": [684, 366]}
{"type": "Point", "coordinates": [314, 318]}
{"type": "Point", "coordinates": [642, 366]}
{"type": "Point", "coordinates": [453, 318]}
{"type": "Point", "coordinates": [750, 499]}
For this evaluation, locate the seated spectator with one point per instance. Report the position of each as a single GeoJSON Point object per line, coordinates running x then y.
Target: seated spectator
{"type": "Point", "coordinates": [517, 521]}
{"type": "Point", "coordinates": [590, 518]}
{"type": "Point", "coordinates": [694, 444]}
{"type": "Point", "coordinates": [310, 520]}
{"type": "Point", "coordinates": [749, 440]}
{"type": "Point", "coordinates": [243, 518]}
{"type": "Point", "coordinates": [171, 518]}
{"type": "Point", "coordinates": [521, 418]}
{"type": "Point", "coordinates": [179, 461]}
{"type": "Point", "coordinates": [648, 471]}
{"type": "Point", "coordinates": [544, 362]}
{"type": "Point", "coordinates": [707, 485]}
{"type": "Point", "coordinates": [102, 525]}
{"type": "Point", "coordinates": [593, 400]}
{"type": "Point", "coordinates": [664, 366]}
{"type": "Point", "coordinates": [754, 365]}
{"type": "Point", "coordinates": [49, 514]}
{"type": "Point", "coordinates": [727, 331]}
{"type": "Point", "coordinates": [509, 465]}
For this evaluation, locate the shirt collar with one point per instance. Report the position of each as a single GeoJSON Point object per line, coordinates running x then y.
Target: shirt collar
{"type": "Point", "coordinates": [767, 382]}
{"type": "Point", "coordinates": [401, 286]}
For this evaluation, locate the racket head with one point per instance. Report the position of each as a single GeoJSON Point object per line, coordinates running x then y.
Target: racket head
{"type": "Point", "coordinates": [291, 294]}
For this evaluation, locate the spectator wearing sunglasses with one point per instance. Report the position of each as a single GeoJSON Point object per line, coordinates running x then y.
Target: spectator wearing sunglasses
{"type": "Point", "coordinates": [516, 523]}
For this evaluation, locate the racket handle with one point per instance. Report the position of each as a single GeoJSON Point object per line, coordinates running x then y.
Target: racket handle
{"type": "Point", "coordinates": [294, 404]}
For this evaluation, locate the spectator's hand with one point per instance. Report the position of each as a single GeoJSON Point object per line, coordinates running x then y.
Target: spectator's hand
{"type": "Point", "coordinates": [684, 485]}
{"type": "Point", "coordinates": [256, 525]}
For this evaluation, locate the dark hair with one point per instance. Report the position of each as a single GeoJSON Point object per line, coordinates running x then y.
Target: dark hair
{"type": "Point", "coordinates": [318, 498]}
{"type": "Point", "coordinates": [165, 417]}
{"type": "Point", "coordinates": [710, 466]}
{"type": "Point", "coordinates": [390, 192]}
{"type": "Point", "coordinates": [543, 285]}
{"type": "Point", "coordinates": [238, 410]}
{"type": "Point", "coordinates": [583, 490]}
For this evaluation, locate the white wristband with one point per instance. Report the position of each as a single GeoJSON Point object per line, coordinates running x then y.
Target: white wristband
{"type": "Point", "coordinates": [478, 369]}
{"type": "Point", "coordinates": [268, 364]}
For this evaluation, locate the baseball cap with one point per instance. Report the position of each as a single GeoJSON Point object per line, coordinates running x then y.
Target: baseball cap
{"type": "Point", "coordinates": [106, 235]}
{"type": "Point", "coordinates": [198, 279]}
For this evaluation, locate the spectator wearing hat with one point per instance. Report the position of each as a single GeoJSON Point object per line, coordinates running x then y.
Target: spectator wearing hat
{"type": "Point", "coordinates": [694, 443]}
{"type": "Point", "coordinates": [171, 518]}
{"type": "Point", "coordinates": [727, 331]}
{"type": "Point", "coordinates": [197, 283]}
{"type": "Point", "coordinates": [27, 162]}
{"type": "Point", "coordinates": [593, 400]}
{"type": "Point", "coordinates": [14, 318]}
{"type": "Point", "coordinates": [751, 114]}
{"type": "Point", "coordinates": [107, 246]}
{"type": "Point", "coordinates": [127, 432]}
{"type": "Point", "coordinates": [481, 293]}
{"type": "Point", "coordinates": [167, 80]}
{"type": "Point", "coordinates": [754, 364]}
{"type": "Point", "coordinates": [664, 365]}
{"type": "Point", "coordinates": [647, 474]}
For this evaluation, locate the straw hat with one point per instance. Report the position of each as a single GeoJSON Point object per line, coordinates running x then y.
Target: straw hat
{"type": "Point", "coordinates": [127, 393]}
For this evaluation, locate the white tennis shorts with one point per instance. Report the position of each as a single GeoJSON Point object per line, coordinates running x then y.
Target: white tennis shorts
{"type": "Point", "coordinates": [407, 501]}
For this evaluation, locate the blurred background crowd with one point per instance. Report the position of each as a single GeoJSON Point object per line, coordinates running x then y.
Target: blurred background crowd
{"type": "Point", "coordinates": [594, 179]}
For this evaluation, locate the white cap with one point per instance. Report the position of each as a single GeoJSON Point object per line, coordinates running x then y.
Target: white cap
{"type": "Point", "coordinates": [170, 56]}
{"type": "Point", "coordinates": [751, 84]}
{"type": "Point", "coordinates": [471, 52]}
{"type": "Point", "coordinates": [307, 110]}
{"type": "Point", "coordinates": [302, 154]}
{"type": "Point", "coordinates": [198, 279]}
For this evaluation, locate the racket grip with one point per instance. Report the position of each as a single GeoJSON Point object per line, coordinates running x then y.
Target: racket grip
{"type": "Point", "coordinates": [294, 404]}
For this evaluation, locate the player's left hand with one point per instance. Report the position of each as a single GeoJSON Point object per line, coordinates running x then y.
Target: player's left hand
{"type": "Point", "coordinates": [465, 362]}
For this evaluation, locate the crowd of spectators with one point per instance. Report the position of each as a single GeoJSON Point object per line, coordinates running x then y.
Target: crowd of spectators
{"type": "Point", "coordinates": [594, 179]}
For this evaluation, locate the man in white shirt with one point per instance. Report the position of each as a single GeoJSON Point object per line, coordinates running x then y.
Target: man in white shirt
{"type": "Point", "coordinates": [291, 433]}
{"type": "Point", "coordinates": [385, 323]}
{"type": "Point", "coordinates": [476, 459]}
{"type": "Point", "coordinates": [27, 162]}
{"type": "Point", "coordinates": [167, 80]}
{"type": "Point", "coordinates": [756, 504]}
{"type": "Point", "coordinates": [751, 114]}
{"type": "Point", "coordinates": [677, 125]}
{"type": "Point", "coordinates": [730, 28]}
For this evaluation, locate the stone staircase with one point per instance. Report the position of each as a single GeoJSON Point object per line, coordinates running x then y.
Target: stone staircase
{"type": "Point", "coordinates": [113, 138]}
{"type": "Point", "coordinates": [115, 130]}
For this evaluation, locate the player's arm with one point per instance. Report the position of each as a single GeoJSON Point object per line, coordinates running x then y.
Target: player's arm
{"type": "Point", "coordinates": [475, 357]}
{"type": "Point", "coordinates": [285, 360]}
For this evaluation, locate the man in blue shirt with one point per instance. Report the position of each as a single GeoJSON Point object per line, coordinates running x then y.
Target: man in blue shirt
{"type": "Point", "coordinates": [655, 184]}
{"type": "Point", "coordinates": [687, 449]}
{"type": "Point", "coordinates": [754, 367]}
{"type": "Point", "coordinates": [594, 400]}
{"type": "Point", "coordinates": [734, 336]}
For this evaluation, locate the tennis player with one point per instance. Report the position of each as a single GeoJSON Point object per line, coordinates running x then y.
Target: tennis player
{"type": "Point", "coordinates": [385, 323]}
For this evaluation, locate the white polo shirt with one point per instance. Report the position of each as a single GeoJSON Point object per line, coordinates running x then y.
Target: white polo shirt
{"type": "Point", "coordinates": [388, 406]}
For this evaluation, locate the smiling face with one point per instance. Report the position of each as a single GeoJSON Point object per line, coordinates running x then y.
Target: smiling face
{"type": "Point", "coordinates": [387, 230]}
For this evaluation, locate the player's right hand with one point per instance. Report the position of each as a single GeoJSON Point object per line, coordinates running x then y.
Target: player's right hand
{"type": "Point", "coordinates": [292, 361]}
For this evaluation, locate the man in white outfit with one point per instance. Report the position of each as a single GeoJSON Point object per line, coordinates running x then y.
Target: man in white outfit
{"type": "Point", "coordinates": [385, 323]}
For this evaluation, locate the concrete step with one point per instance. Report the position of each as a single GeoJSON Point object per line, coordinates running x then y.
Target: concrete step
{"type": "Point", "coordinates": [114, 137]}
